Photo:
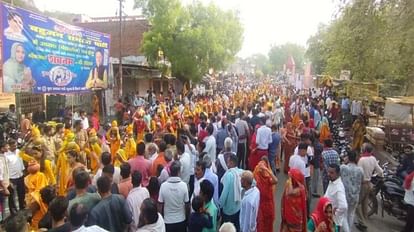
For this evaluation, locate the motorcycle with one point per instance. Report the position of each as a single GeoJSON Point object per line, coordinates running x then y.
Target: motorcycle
{"type": "Point", "coordinates": [389, 191]}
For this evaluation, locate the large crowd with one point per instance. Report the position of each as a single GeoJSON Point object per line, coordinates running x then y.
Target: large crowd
{"type": "Point", "coordinates": [193, 163]}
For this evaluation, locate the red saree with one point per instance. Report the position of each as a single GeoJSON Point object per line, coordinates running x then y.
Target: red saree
{"type": "Point", "coordinates": [294, 203]}
{"type": "Point", "coordinates": [255, 154]}
{"type": "Point", "coordinates": [319, 215]}
{"type": "Point", "coordinates": [264, 183]}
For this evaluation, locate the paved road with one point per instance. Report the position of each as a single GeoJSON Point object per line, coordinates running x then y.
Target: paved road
{"type": "Point", "coordinates": [376, 223]}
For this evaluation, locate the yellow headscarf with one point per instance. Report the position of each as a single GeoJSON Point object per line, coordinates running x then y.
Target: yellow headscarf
{"type": "Point", "coordinates": [121, 157]}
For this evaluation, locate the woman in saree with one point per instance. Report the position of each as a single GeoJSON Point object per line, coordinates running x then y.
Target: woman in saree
{"type": "Point", "coordinates": [296, 120]}
{"type": "Point", "coordinates": [301, 128]}
{"type": "Point", "coordinates": [62, 165]}
{"type": "Point", "coordinates": [254, 158]}
{"type": "Point", "coordinates": [321, 220]}
{"type": "Point", "coordinates": [34, 182]}
{"type": "Point", "coordinates": [120, 158]}
{"type": "Point", "coordinates": [324, 132]}
{"type": "Point", "coordinates": [94, 151]}
{"type": "Point", "coordinates": [358, 133]}
{"type": "Point", "coordinates": [294, 203]}
{"type": "Point", "coordinates": [114, 139]}
{"type": "Point", "coordinates": [323, 121]}
{"type": "Point", "coordinates": [16, 76]}
{"type": "Point", "coordinates": [289, 145]}
{"type": "Point", "coordinates": [265, 182]}
{"type": "Point", "coordinates": [45, 165]}
{"type": "Point", "coordinates": [130, 144]}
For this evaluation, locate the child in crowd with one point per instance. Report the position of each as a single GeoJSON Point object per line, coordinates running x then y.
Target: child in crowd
{"type": "Point", "coordinates": [200, 218]}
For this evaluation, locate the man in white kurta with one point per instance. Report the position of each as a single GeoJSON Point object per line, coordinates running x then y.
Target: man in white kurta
{"type": "Point", "coordinates": [250, 203]}
{"type": "Point", "coordinates": [336, 193]}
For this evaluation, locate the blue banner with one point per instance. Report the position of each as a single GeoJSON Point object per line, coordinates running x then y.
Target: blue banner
{"type": "Point", "coordinates": [44, 55]}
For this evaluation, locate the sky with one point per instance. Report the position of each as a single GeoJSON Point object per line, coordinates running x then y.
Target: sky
{"type": "Point", "coordinates": [266, 22]}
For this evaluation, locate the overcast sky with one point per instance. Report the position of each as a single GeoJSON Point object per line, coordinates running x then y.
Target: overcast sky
{"type": "Point", "coordinates": [266, 22]}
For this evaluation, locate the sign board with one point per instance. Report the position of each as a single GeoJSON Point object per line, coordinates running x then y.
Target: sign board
{"type": "Point", "coordinates": [44, 55]}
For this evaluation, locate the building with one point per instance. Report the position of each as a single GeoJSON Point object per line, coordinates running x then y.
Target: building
{"type": "Point", "coordinates": [137, 75]}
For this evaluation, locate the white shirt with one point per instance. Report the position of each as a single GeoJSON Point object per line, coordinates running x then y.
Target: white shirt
{"type": "Point", "coordinates": [134, 200]}
{"type": "Point", "coordinates": [190, 149]}
{"type": "Point", "coordinates": [89, 229]}
{"type": "Point", "coordinates": [163, 176]}
{"type": "Point", "coordinates": [336, 193]}
{"type": "Point", "coordinates": [309, 153]}
{"type": "Point", "coordinates": [328, 103]}
{"type": "Point", "coordinates": [369, 165]}
{"type": "Point", "coordinates": [356, 108]}
{"type": "Point", "coordinates": [263, 137]}
{"type": "Point", "coordinates": [116, 177]}
{"type": "Point", "coordinates": [249, 209]}
{"type": "Point", "coordinates": [197, 183]}
{"type": "Point", "coordinates": [174, 195]}
{"type": "Point", "coordinates": [185, 173]}
{"type": "Point", "coordinates": [4, 170]}
{"type": "Point", "coordinates": [15, 163]}
{"type": "Point", "coordinates": [297, 162]}
{"type": "Point", "coordinates": [211, 147]}
{"type": "Point", "coordinates": [85, 123]}
{"type": "Point", "coordinates": [158, 226]}
{"type": "Point", "coordinates": [153, 157]}
{"type": "Point", "coordinates": [409, 195]}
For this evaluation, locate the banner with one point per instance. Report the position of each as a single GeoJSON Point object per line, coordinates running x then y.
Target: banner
{"type": "Point", "coordinates": [44, 55]}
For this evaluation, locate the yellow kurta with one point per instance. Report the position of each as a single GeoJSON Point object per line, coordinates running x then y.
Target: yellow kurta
{"type": "Point", "coordinates": [120, 158]}
{"type": "Point", "coordinates": [25, 157]}
{"type": "Point", "coordinates": [48, 171]}
{"type": "Point", "coordinates": [62, 171]}
{"type": "Point", "coordinates": [130, 148]}
{"type": "Point", "coordinates": [95, 157]}
{"type": "Point", "coordinates": [34, 183]}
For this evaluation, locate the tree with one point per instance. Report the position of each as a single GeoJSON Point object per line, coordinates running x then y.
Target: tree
{"type": "Point", "coordinates": [278, 56]}
{"type": "Point", "coordinates": [260, 63]}
{"type": "Point", "coordinates": [26, 4]}
{"type": "Point", "coordinates": [372, 39]}
{"type": "Point", "coordinates": [193, 38]}
{"type": "Point", "coordinates": [317, 50]}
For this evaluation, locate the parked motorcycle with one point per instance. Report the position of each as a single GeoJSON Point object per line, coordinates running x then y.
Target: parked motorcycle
{"type": "Point", "coordinates": [389, 191]}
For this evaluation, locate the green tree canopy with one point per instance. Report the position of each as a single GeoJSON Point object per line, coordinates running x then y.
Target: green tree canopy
{"type": "Point", "coordinates": [192, 38]}
{"type": "Point", "coordinates": [260, 63]}
{"type": "Point", "coordinates": [372, 39]}
{"type": "Point", "coordinates": [278, 56]}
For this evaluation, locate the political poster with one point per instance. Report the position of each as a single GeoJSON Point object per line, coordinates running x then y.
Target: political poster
{"type": "Point", "coordinates": [44, 55]}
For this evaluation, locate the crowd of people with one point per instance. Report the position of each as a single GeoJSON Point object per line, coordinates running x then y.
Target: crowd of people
{"type": "Point", "coordinates": [201, 163]}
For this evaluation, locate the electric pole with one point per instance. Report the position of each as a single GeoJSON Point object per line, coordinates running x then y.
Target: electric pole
{"type": "Point", "coordinates": [120, 51]}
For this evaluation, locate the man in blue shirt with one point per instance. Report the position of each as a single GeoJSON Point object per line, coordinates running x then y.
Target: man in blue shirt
{"type": "Point", "coordinates": [345, 104]}
{"type": "Point", "coordinates": [329, 156]}
{"type": "Point", "coordinates": [274, 149]}
{"type": "Point", "coordinates": [230, 198]}
{"type": "Point", "coordinates": [221, 136]}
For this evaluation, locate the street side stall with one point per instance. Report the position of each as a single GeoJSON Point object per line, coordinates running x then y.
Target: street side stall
{"type": "Point", "coordinates": [399, 122]}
